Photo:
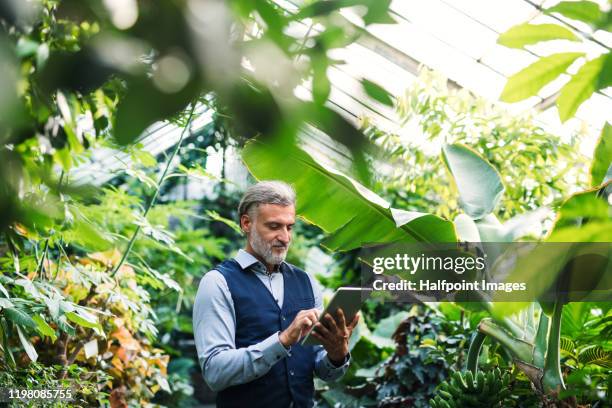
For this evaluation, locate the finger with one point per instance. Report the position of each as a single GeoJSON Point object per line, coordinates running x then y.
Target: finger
{"type": "Point", "coordinates": [312, 314]}
{"type": "Point", "coordinates": [306, 311]}
{"type": "Point", "coordinates": [321, 339]}
{"type": "Point", "coordinates": [355, 321]}
{"type": "Point", "coordinates": [331, 323]}
{"type": "Point", "coordinates": [322, 330]}
{"type": "Point", "coordinates": [341, 319]}
{"type": "Point", "coordinates": [305, 321]}
{"type": "Point", "coordinates": [302, 312]}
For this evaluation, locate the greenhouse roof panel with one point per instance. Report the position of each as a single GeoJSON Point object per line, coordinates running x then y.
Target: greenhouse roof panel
{"type": "Point", "coordinates": [497, 15]}
{"type": "Point", "coordinates": [459, 39]}
{"type": "Point", "coordinates": [447, 24]}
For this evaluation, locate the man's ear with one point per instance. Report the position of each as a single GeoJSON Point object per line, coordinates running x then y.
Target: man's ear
{"type": "Point", "coordinates": [245, 223]}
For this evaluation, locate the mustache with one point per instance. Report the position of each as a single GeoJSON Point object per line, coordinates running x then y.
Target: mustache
{"type": "Point", "coordinates": [280, 245]}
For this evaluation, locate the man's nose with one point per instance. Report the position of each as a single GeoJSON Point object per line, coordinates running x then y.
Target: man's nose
{"type": "Point", "coordinates": [284, 236]}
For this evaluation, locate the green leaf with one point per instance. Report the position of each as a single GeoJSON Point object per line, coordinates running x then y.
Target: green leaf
{"type": "Point", "coordinates": [526, 33]}
{"type": "Point", "coordinates": [88, 234]}
{"type": "Point", "coordinates": [466, 228]}
{"type": "Point", "coordinates": [26, 47]}
{"type": "Point", "coordinates": [65, 326]}
{"type": "Point", "coordinates": [492, 230]}
{"type": "Point", "coordinates": [596, 355]}
{"type": "Point", "coordinates": [567, 345]}
{"type": "Point", "coordinates": [337, 398]}
{"type": "Point", "coordinates": [4, 291]}
{"type": "Point", "coordinates": [605, 75]}
{"type": "Point", "coordinates": [539, 341]}
{"type": "Point", "coordinates": [574, 317]}
{"type": "Point", "coordinates": [19, 318]}
{"type": "Point", "coordinates": [29, 287]}
{"type": "Point", "coordinates": [523, 224]}
{"type": "Point", "coordinates": [530, 80]}
{"type": "Point", "coordinates": [370, 372]}
{"type": "Point", "coordinates": [6, 349]}
{"type": "Point", "coordinates": [478, 182]}
{"type": "Point", "coordinates": [319, 8]}
{"type": "Point", "coordinates": [88, 320]}
{"type": "Point", "coordinates": [133, 116]}
{"type": "Point", "coordinates": [273, 19]}
{"type": "Point", "coordinates": [579, 88]}
{"type": "Point", "coordinates": [377, 10]}
{"type": "Point", "coordinates": [602, 158]}
{"type": "Point", "coordinates": [27, 346]}
{"type": "Point", "coordinates": [377, 92]}
{"type": "Point", "coordinates": [342, 131]}
{"type": "Point", "coordinates": [321, 87]}
{"type": "Point", "coordinates": [53, 304]}
{"type": "Point", "coordinates": [5, 303]}
{"type": "Point", "coordinates": [143, 157]}
{"type": "Point", "coordinates": [570, 225]}
{"type": "Point", "coordinates": [44, 328]}
{"type": "Point", "coordinates": [230, 223]}
{"type": "Point", "coordinates": [343, 208]}
{"type": "Point", "coordinates": [586, 11]}
{"type": "Point", "coordinates": [387, 326]}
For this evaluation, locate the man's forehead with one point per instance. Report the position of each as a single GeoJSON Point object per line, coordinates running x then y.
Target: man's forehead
{"type": "Point", "coordinates": [276, 212]}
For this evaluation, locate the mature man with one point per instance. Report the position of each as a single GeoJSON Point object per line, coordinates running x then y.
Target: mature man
{"type": "Point", "coordinates": [250, 312]}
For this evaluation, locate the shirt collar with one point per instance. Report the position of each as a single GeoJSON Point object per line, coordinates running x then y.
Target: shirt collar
{"type": "Point", "coordinates": [246, 260]}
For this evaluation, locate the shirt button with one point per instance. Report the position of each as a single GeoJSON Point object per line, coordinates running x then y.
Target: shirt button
{"type": "Point", "coordinates": [291, 372]}
{"type": "Point", "coordinates": [284, 318]}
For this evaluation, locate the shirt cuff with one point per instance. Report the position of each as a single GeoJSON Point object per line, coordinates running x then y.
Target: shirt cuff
{"type": "Point", "coordinates": [332, 366]}
{"type": "Point", "coordinates": [273, 350]}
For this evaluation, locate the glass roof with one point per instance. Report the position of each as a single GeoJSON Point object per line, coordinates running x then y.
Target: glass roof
{"type": "Point", "coordinates": [457, 38]}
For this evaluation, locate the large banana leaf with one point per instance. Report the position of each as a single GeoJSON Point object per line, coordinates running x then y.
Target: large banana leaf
{"type": "Point", "coordinates": [582, 231]}
{"type": "Point", "coordinates": [602, 160]}
{"type": "Point", "coordinates": [478, 182]}
{"type": "Point", "coordinates": [350, 213]}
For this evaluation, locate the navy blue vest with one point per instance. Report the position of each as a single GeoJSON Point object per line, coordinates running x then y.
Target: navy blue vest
{"type": "Point", "coordinates": [257, 318]}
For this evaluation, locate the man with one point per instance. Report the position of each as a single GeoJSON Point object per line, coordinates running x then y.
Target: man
{"type": "Point", "coordinates": [250, 312]}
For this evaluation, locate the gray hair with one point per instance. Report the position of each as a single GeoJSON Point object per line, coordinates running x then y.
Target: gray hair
{"type": "Point", "coordinates": [266, 192]}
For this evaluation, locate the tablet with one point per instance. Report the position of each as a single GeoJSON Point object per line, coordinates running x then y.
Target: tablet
{"type": "Point", "coordinates": [347, 299]}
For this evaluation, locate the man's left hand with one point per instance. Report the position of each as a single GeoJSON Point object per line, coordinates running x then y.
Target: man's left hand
{"type": "Point", "coordinates": [334, 335]}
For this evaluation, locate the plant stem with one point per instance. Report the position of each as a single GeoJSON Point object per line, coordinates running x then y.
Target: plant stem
{"type": "Point", "coordinates": [539, 350]}
{"type": "Point", "coordinates": [42, 258]}
{"type": "Point", "coordinates": [476, 343]}
{"type": "Point", "coordinates": [553, 379]}
{"type": "Point", "coordinates": [519, 349]}
{"type": "Point", "coordinates": [156, 193]}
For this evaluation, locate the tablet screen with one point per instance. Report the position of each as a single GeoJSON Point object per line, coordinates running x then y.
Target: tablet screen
{"type": "Point", "coordinates": [349, 300]}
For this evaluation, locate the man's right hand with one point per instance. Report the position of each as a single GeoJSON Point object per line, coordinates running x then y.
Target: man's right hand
{"type": "Point", "coordinates": [303, 321]}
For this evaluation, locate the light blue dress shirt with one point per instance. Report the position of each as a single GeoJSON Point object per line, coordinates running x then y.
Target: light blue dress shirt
{"type": "Point", "coordinates": [214, 328]}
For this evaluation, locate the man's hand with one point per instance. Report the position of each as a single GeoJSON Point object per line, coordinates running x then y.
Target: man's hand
{"type": "Point", "coordinates": [301, 324]}
{"type": "Point", "coordinates": [334, 335]}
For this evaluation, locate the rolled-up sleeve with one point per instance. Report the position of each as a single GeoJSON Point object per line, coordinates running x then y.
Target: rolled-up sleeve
{"type": "Point", "coordinates": [214, 331]}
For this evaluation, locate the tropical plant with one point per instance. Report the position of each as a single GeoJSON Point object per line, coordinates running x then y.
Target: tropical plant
{"type": "Point", "coordinates": [594, 72]}
{"type": "Point", "coordinates": [78, 73]}
{"type": "Point", "coordinates": [465, 390]}
{"type": "Point", "coordinates": [90, 277]}
{"type": "Point", "coordinates": [427, 342]}
{"type": "Point", "coordinates": [535, 348]}
{"type": "Point", "coordinates": [540, 168]}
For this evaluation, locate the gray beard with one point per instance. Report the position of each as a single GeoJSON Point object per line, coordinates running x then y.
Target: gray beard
{"type": "Point", "coordinates": [264, 249]}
